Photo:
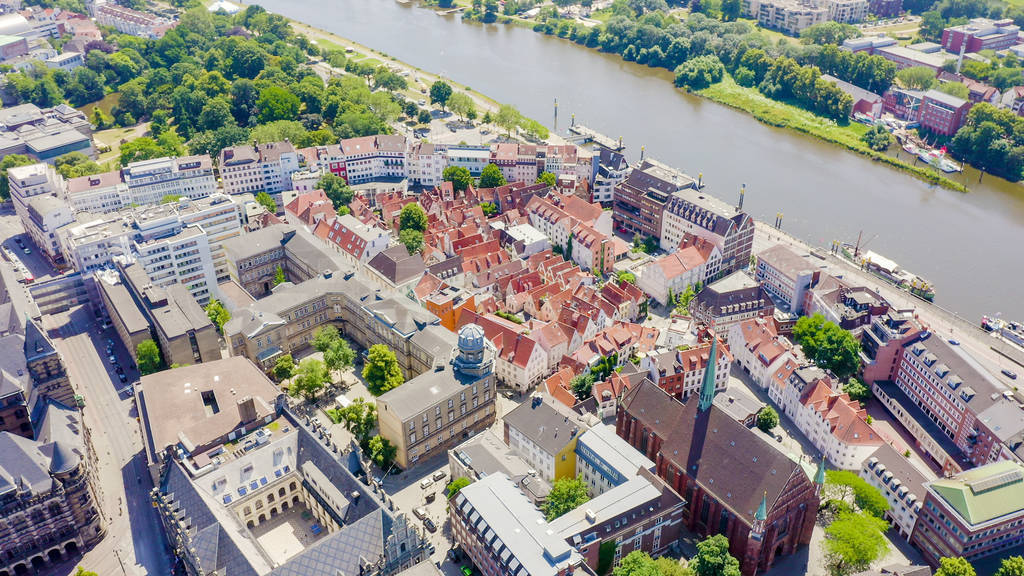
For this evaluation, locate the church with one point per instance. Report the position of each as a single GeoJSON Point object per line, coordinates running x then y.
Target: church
{"type": "Point", "coordinates": [733, 481]}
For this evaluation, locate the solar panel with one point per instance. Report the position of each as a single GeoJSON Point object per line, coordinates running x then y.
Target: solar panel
{"type": "Point", "coordinates": [997, 481]}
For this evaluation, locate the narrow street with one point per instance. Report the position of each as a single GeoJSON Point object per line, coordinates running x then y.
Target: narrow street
{"type": "Point", "coordinates": [121, 477]}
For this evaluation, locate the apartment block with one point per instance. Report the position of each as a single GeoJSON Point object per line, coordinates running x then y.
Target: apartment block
{"type": "Point", "coordinates": [729, 301]}
{"type": "Point", "coordinates": [98, 193]}
{"type": "Point", "coordinates": [258, 168]}
{"type": "Point", "coordinates": [942, 113]}
{"type": "Point", "coordinates": [370, 158]}
{"type": "Point", "coordinates": [902, 484]}
{"type": "Point", "coordinates": [129, 21]}
{"type": "Point", "coordinates": [149, 181]}
{"type": "Point", "coordinates": [254, 258]}
{"type": "Point", "coordinates": [38, 181]}
{"type": "Point", "coordinates": [786, 276]}
{"type": "Point", "coordinates": [640, 199]}
{"type": "Point", "coordinates": [545, 434]}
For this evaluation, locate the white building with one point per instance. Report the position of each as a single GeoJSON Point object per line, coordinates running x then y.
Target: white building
{"type": "Point", "coordinates": [66, 61]}
{"type": "Point", "coordinates": [605, 460]}
{"type": "Point", "coordinates": [182, 258]}
{"type": "Point", "coordinates": [544, 434]}
{"type": "Point", "coordinates": [98, 193]}
{"type": "Point", "coordinates": [149, 181]}
{"type": "Point", "coordinates": [38, 181]}
{"type": "Point", "coordinates": [472, 158]}
{"type": "Point", "coordinates": [612, 169]}
{"type": "Point", "coordinates": [258, 168]}
{"type": "Point", "coordinates": [532, 239]}
{"type": "Point", "coordinates": [370, 158]}
{"type": "Point", "coordinates": [357, 241]}
{"type": "Point", "coordinates": [45, 215]}
{"type": "Point", "coordinates": [900, 482]}
{"type": "Point", "coordinates": [92, 242]}
{"type": "Point", "coordinates": [305, 181]}
{"type": "Point", "coordinates": [786, 275]}
{"type": "Point", "coordinates": [669, 276]}
{"type": "Point", "coordinates": [759, 349]}
{"type": "Point", "coordinates": [128, 21]}
{"type": "Point", "coordinates": [425, 164]}
{"type": "Point", "coordinates": [836, 425]}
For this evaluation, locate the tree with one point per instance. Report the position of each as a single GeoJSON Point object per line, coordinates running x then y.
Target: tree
{"type": "Point", "coordinates": [508, 118]}
{"type": "Point", "coordinates": [359, 418]}
{"type": "Point", "coordinates": [491, 177]}
{"type": "Point", "coordinates": [216, 114]}
{"type": "Point", "coordinates": [1012, 566]}
{"type": "Point", "coordinates": [877, 138]}
{"type": "Point", "coordinates": [462, 104]}
{"type": "Point", "coordinates": [381, 371]}
{"type": "Point", "coordinates": [267, 202]}
{"type": "Point", "coordinates": [713, 558]}
{"type": "Point", "coordinates": [412, 239]}
{"type": "Point", "coordinates": [284, 367]}
{"type": "Point", "coordinates": [218, 314]}
{"type": "Point", "coordinates": [148, 356]}
{"type": "Point", "coordinates": [566, 494]}
{"type": "Point", "coordinates": [144, 148]}
{"type": "Point", "coordinates": [459, 176]}
{"type": "Point", "coordinates": [279, 277]}
{"type": "Point", "coordinates": [76, 164]}
{"type": "Point", "coordinates": [382, 452]}
{"type": "Point", "coordinates": [856, 390]}
{"type": "Point", "coordinates": [828, 345]}
{"type": "Point", "coordinates": [339, 355]}
{"type": "Point", "coordinates": [457, 484]}
{"type": "Point", "coordinates": [867, 498]}
{"type": "Point", "coordinates": [277, 103]}
{"type": "Point", "coordinates": [700, 72]}
{"type": "Point", "coordinates": [954, 89]}
{"type": "Point", "coordinates": [547, 178]}
{"type": "Point", "coordinates": [489, 208]}
{"type": "Point", "coordinates": [83, 572]}
{"type": "Point", "coordinates": [624, 276]}
{"type": "Point", "coordinates": [440, 92]}
{"type": "Point", "coordinates": [412, 217]}
{"type": "Point", "coordinates": [581, 385]}
{"type": "Point", "coordinates": [11, 161]}
{"type": "Point", "coordinates": [916, 77]}
{"type": "Point", "coordinates": [958, 566]}
{"type": "Point", "coordinates": [767, 419]}
{"type": "Point", "coordinates": [853, 541]}
{"type": "Point", "coordinates": [932, 25]}
{"type": "Point", "coordinates": [731, 10]}
{"type": "Point", "coordinates": [336, 189]}
{"type": "Point", "coordinates": [828, 33]}
{"type": "Point", "coordinates": [324, 337]}
{"type": "Point", "coordinates": [309, 379]}
{"type": "Point", "coordinates": [636, 563]}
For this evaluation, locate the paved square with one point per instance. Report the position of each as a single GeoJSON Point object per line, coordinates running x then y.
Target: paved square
{"type": "Point", "coordinates": [285, 535]}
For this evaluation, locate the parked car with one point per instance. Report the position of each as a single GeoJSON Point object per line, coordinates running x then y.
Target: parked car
{"type": "Point", "coordinates": [431, 496]}
{"type": "Point", "coordinates": [429, 525]}
{"type": "Point", "coordinates": [439, 475]}
{"type": "Point", "coordinates": [122, 378]}
{"type": "Point", "coordinates": [426, 483]}
{"type": "Point", "coordinates": [1009, 374]}
{"type": "Point", "coordinates": [20, 242]}
{"type": "Point", "coordinates": [28, 251]}
{"type": "Point", "coordinates": [954, 342]}
{"type": "Point", "coordinates": [420, 512]}
{"type": "Point", "coordinates": [112, 359]}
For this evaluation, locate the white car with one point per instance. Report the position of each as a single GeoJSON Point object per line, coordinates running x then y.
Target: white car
{"type": "Point", "coordinates": [426, 483]}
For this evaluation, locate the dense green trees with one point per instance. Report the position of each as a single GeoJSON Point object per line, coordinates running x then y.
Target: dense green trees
{"type": "Point", "coordinates": [491, 177]}
{"type": "Point", "coordinates": [877, 138]}
{"type": "Point", "coordinates": [459, 176]}
{"type": "Point", "coordinates": [993, 140]}
{"type": "Point", "coordinates": [336, 189]}
{"type": "Point", "coordinates": [853, 541]}
{"type": "Point", "coordinates": [218, 314]}
{"type": "Point", "coordinates": [958, 566]}
{"type": "Point", "coordinates": [700, 72]}
{"type": "Point", "coordinates": [582, 385]}
{"type": "Point", "coordinates": [381, 370]}
{"type": "Point", "coordinates": [713, 558]}
{"type": "Point", "coordinates": [412, 217]}
{"type": "Point", "coordinates": [767, 419]}
{"type": "Point", "coordinates": [412, 239]}
{"type": "Point", "coordinates": [638, 563]}
{"type": "Point", "coordinates": [916, 77]}
{"type": "Point", "coordinates": [359, 418]}
{"type": "Point", "coordinates": [829, 33]}
{"type": "Point", "coordinates": [566, 494]}
{"type": "Point", "coordinates": [828, 345]}
{"type": "Point", "coordinates": [455, 485]}
{"type": "Point", "coordinates": [267, 201]}
{"type": "Point", "coordinates": [147, 354]}
{"type": "Point", "coordinates": [850, 488]}
{"type": "Point", "coordinates": [309, 379]}
{"type": "Point", "coordinates": [284, 367]}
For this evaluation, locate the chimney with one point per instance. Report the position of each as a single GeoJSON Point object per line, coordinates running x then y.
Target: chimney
{"type": "Point", "coordinates": [247, 409]}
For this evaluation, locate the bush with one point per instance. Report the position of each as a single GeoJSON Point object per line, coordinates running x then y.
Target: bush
{"type": "Point", "coordinates": [700, 72]}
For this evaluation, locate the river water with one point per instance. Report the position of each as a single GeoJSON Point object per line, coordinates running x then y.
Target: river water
{"type": "Point", "coordinates": [967, 245]}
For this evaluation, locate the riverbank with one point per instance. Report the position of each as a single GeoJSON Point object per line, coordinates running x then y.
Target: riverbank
{"type": "Point", "coordinates": [782, 115]}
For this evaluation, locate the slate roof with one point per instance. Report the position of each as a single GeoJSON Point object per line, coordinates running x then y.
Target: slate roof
{"type": "Point", "coordinates": [397, 265]}
{"type": "Point", "coordinates": [545, 425]}
{"type": "Point", "coordinates": [724, 457]}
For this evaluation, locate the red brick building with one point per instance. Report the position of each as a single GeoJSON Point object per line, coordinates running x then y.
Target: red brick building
{"type": "Point", "coordinates": [640, 199]}
{"type": "Point", "coordinates": [942, 113]}
{"type": "Point", "coordinates": [981, 34]}
{"type": "Point", "coordinates": [973, 514]}
{"type": "Point", "coordinates": [732, 482]}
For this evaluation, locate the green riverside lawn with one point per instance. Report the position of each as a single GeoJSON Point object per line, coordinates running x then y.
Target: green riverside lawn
{"type": "Point", "coordinates": [782, 115]}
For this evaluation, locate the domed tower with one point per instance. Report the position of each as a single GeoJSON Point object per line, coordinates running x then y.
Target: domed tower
{"type": "Point", "coordinates": [475, 355]}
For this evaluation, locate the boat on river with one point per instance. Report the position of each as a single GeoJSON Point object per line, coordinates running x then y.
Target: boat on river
{"type": "Point", "coordinates": [937, 158]}
{"type": "Point", "coordinates": [890, 271]}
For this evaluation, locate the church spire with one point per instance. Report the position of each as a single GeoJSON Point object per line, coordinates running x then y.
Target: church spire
{"type": "Point", "coordinates": [819, 477]}
{"type": "Point", "coordinates": [707, 388]}
{"type": "Point", "coordinates": [762, 511]}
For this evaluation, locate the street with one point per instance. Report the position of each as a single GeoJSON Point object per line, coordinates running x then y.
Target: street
{"type": "Point", "coordinates": [134, 544]}
{"type": "Point", "coordinates": [11, 229]}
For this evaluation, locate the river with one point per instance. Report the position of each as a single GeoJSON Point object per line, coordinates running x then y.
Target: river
{"type": "Point", "coordinates": [968, 245]}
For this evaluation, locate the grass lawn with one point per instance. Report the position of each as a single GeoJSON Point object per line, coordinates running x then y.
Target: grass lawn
{"type": "Point", "coordinates": [113, 138]}
{"type": "Point", "coordinates": [106, 104]}
{"type": "Point", "coordinates": [784, 115]}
